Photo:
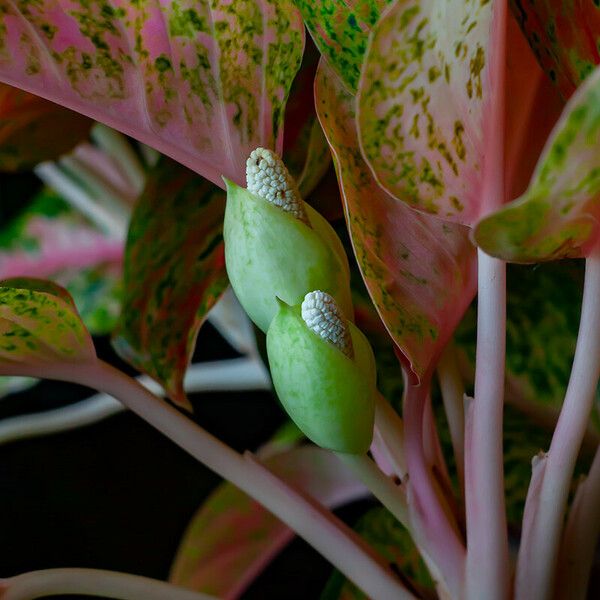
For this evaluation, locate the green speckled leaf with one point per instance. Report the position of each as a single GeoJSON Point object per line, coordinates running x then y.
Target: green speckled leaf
{"type": "Point", "coordinates": [204, 82]}
{"type": "Point", "coordinates": [419, 270]}
{"type": "Point", "coordinates": [564, 35]}
{"type": "Point", "coordinates": [543, 311]}
{"type": "Point", "coordinates": [33, 130]}
{"type": "Point", "coordinates": [174, 272]}
{"type": "Point", "coordinates": [341, 31]}
{"type": "Point", "coordinates": [383, 532]}
{"type": "Point", "coordinates": [426, 100]}
{"type": "Point", "coordinates": [557, 217]}
{"type": "Point", "coordinates": [39, 325]}
{"type": "Point", "coordinates": [232, 538]}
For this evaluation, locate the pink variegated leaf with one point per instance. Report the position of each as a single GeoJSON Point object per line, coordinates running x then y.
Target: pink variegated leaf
{"type": "Point", "coordinates": [204, 82]}
{"type": "Point", "coordinates": [418, 269]}
{"type": "Point", "coordinates": [174, 272]}
{"type": "Point", "coordinates": [232, 538]}
{"type": "Point", "coordinates": [558, 215]}
{"type": "Point", "coordinates": [565, 37]}
{"type": "Point", "coordinates": [429, 101]}
{"type": "Point", "coordinates": [527, 127]}
{"type": "Point", "coordinates": [49, 240]}
{"type": "Point", "coordinates": [33, 130]}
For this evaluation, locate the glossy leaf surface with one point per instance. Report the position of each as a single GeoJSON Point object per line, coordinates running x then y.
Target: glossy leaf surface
{"type": "Point", "coordinates": [174, 272]}
{"type": "Point", "coordinates": [557, 217]}
{"type": "Point", "coordinates": [419, 270]}
{"type": "Point", "coordinates": [341, 31]}
{"type": "Point", "coordinates": [425, 99]}
{"type": "Point", "coordinates": [50, 240]}
{"type": "Point", "coordinates": [232, 537]}
{"type": "Point", "coordinates": [39, 325]}
{"type": "Point", "coordinates": [204, 82]}
{"type": "Point", "coordinates": [565, 37]}
{"type": "Point", "coordinates": [33, 130]}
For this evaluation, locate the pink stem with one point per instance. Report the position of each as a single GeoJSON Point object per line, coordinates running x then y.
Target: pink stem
{"type": "Point", "coordinates": [434, 529]}
{"type": "Point", "coordinates": [581, 538]}
{"type": "Point", "coordinates": [488, 574]}
{"type": "Point", "coordinates": [544, 511]}
{"type": "Point", "coordinates": [319, 527]}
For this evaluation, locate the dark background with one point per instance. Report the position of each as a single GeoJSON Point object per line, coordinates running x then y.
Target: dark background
{"type": "Point", "coordinates": [118, 495]}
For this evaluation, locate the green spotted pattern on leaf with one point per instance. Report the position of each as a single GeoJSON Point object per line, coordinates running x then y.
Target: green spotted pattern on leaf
{"type": "Point", "coordinates": [385, 534]}
{"type": "Point", "coordinates": [204, 81]}
{"type": "Point", "coordinates": [419, 270]}
{"type": "Point", "coordinates": [341, 31]}
{"type": "Point", "coordinates": [424, 89]}
{"type": "Point", "coordinates": [557, 217]}
{"type": "Point", "coordinates": [174, 272]}
{"type": "Point", "coordinates": [39, 325]}
{"type": "Point", "coordinates": [542, 321]}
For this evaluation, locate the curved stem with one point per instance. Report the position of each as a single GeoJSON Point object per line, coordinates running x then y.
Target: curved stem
{"type": "Point", "coordinates": [390, 428]}
{"type": "Point", "coordinates": [382, 487]}
{"type": "Point", "coordinates": [581, 537]}
{"type": "Point", "coordinates": [488, 573]}
{"type": "Point", "coordinates": [544, 510]}
{"type": "Point", "coordinates": [92, 582]}
{"type": "Point", "coordinates": [436, 532]}
{"type": "Point", "coordinates": [453, 393]}
{"type": "Point", "coordinates": [222, 375]}
{"type": "Point", "coordinates": [329, 536]}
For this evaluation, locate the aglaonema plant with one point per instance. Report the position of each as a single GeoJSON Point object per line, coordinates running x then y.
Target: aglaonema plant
{"type": "Point", "coordinates": [453, 154]}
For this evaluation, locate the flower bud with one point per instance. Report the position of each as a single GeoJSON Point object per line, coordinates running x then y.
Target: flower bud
{"type": "Point", "coordinates": [276, 245]}
{"type": "Point", "coordinates": [323, 370]}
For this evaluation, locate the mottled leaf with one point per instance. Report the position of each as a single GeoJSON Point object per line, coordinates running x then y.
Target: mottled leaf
{"type": "Point", "coordinates": [39, 325]}
{"type": "Point", "coordinates": [557, 216]}
{"type": "Point", "coordinates": [174, 272]}
{"type": "Point", "coordinates": [50, 240]}
{"type": "Point", "coordinates": [383, 532]}
{"type": "Point", "coordinates": [341, 31]}
{"type": "Point", "coordinates": [419, 270]}
{"type": "Point", "coordinates": [527, 126]}
{"type": "Point", "coordinates": [565, 37]}
{"type": "Point", "coordinates": [542, 322]}
{"type": "Point", "coordinates": [426, 103]}
{"type": "Point", "coordinates": [232, 537]}
{"type": "Point", "coordinates": [204, 82]}
{"type": "Point", "coordinates": [33, 130]}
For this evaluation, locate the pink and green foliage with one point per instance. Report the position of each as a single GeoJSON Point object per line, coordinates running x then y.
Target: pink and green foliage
{"type": "Point", "coordinates": [557, 216]}
{"type": "Point", "coordinates": [341, 31]}
{"type": "Point", "coordinates": [232, 538]}
{"type": "Point", "coordinates": [427, 85]}
{"type": "Point", "coordinates": [40, 327]}
{"type": "Point", "coordinates": [564, 37]}
{"type": "Point", "coordinates": [33, 130]}
{"type": "Point", "coordinates": [50, 240]}
{"type": "Point", "coordinates": [419, 271]}
{"type": "Point", "coordinates": [172, 276]}
{"type": "Point", "coordinates": [204, 82]}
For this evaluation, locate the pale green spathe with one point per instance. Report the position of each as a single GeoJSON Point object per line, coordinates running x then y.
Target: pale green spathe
{"type": "Point", "coordinates": [269, 253]}
{"type": "Point", "coordinates": [329, 396]}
